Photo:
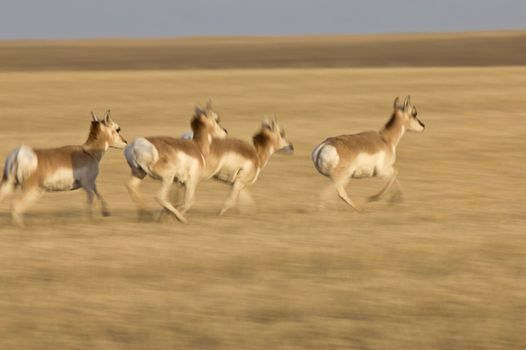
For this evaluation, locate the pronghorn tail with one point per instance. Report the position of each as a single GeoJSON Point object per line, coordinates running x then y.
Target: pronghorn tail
{"type": "Point", "coordinates": [325, 158]}
{"type": "Point", "coordinates": [19, 165]}
{"type": "Point", "coordinates": [141, 155]}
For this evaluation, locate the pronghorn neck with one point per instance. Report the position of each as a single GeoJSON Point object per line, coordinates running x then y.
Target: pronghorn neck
{"type": "Point", "coordinates": [203, 139]}
{"type": "Point", "coordinates": [393, 131]}
{"type": "Point", "coordinates": [96, 144]}
{"type": "Point", "coordinates": [264, 148]}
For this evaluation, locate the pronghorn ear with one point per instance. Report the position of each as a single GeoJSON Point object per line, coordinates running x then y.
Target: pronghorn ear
{"type": "Point", "coordinates": [397, 104]}
{"type": "Point", "coordinates": [407, 102]}
{"type": "Point", "coordinates": [209, 105]}
{"type": "Point", "coordinates": [198, 111]}
{"type": "Point", "coordinates": [107, 118]}
{"type": "Point", "coordinates": [267, 123]}
{"type": "Point", "coordinates": [94, 117]}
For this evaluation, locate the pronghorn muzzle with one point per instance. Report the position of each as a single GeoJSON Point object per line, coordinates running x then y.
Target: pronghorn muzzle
{"type": "Point", "coordinates": [289, 149]}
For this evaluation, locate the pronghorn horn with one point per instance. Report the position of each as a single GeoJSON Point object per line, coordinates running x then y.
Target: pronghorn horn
{"type": "Point", "coordinates": [94, 117]}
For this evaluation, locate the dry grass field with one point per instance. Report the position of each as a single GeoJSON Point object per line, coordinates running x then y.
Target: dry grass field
{"type": "Point", "coordinates": [444, 269]}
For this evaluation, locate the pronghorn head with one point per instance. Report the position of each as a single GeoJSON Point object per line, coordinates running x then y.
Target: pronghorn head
{"type": "Point", "coordinates": [407, 113]}
{"type": "Point", "coordinates": [274, 136]}
{"type": "Point", "coordinates": [108, 130]}
{"type": "Point", "coordinates": [207, 119]}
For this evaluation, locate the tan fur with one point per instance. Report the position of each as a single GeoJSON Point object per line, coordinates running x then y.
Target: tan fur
{"type": "Point", "coordinates": [171, 160]}
{"type": "Point", "coordinates": [238, 163]}
{"type": "Point", "coordinates": [62, 169]}
{"type": "Point", "coordinates": [168, 146]}
{"type": "Point", "coordinates": [367, 154]}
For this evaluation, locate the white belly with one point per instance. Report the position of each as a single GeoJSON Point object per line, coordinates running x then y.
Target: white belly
{"type": "Point", "coordinates": [60, 180]}
{"type": "Point", "coordinates": [186, 168]}
{"type": "Point", "coordinates": [369, 165]}
{"type": "Point", "coordinates": [230, 167]}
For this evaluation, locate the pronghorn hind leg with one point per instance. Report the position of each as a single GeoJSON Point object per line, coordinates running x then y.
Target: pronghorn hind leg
{"type": "Point", "coordinates": [325, 194]}
{"type": "Point", "coordinates": [176, 199]}
{"type": "Point", "coordinates": [133, 189]}
{"type": "Point", "coordinates": [397, 196]}
{"type": "Point", "coordinates": [162, 199]}
{"type": "Point", "coordinates": [232, 197]}
{"type": "Point", "coordinates": [29, 197]}
{"type": "Point", "coordinates": [386, 188]}
{"type": "Point", "coordinates": [6, 187]}
{"type": "Point", "coordinates": [340, 187]}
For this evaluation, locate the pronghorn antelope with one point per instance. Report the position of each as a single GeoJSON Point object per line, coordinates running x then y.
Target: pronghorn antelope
{"type": "Point", "coordinates": [172, 160]}
{"type": "Point", "coordinates": [238, 163]}
{"type": "Point", "coordinates": [367, 154]}
{"type": "Point", "coordinates": [60, 169]}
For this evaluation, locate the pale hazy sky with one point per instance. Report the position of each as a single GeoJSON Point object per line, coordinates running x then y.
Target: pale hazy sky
{"type": "Point", "coordinates": [35, 19]}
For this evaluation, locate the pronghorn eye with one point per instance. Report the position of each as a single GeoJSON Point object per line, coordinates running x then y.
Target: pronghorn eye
{"type": "Point", "coordinates": [118, 129]}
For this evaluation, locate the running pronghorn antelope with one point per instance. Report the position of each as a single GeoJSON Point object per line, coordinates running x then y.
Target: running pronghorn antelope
{"type": "Point", "coordinates": [172, 160]}
{"type": "Point", "coordinates": [239, 163]}
{"type": "Point", "coordinates": [367, 154]}
{"type": "Point", "coordinates": [60, 169]}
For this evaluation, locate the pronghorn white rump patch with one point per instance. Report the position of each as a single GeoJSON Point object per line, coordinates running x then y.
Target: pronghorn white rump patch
{"type": "Point", "coordinates": [20, 164]}
{"type": "Point", "coordinates": [325, 158]}
{"type": "Point", "coordinates": [62, 179]}
{"type": "Point", "coordinates": [141, 154]}
{"type": "Point", "coordinates": [188, 135]}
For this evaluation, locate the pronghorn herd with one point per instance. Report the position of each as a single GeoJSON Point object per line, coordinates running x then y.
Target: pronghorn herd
{"type": "Point", "coordinates": [204, 153]}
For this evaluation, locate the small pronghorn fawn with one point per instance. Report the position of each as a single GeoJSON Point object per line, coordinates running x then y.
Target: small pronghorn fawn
{"type": "Point", "coordinates": [367, 154]}
{"type": "Point", "coordinates": [239, 163]}
{"type": "Point", "coordinates": [60, 169]}
{"type": "Point", "coordinates": [170, 160]}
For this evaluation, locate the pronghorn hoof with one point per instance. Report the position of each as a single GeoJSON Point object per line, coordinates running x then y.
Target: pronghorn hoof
{"type": "Point", "coordinates": [106, 213]}
{"type": "Point", "coordinates": [181, 219]}
{"type": "Point", "coordinates": [145, 215]}
{"type": "Point", "coordinates": [19, 223]}
{"type": "Point", "coordinates": [396, 198]}
{"type": "Point", "coordinates": [373, 199]}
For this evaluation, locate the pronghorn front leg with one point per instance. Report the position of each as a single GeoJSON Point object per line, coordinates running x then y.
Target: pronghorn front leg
{"type": "Point", "coordinates": [162, 199]}
{"type": "Point", "coordinates": [392, 179]}
{"type": "Point", "coordinates": [89, 207]}
{"type": "Point", "coordinates": [189, 195]}
{"type": "Point", "coordinates": [232, 198]}
{"type": "Point", "coordinates": [29, 196]}
{"type": "Point", "coordinates": [103, 205]}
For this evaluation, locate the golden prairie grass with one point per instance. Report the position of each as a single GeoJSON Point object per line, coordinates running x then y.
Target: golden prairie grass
{"type": "Point", "coordinates": [444, 269]}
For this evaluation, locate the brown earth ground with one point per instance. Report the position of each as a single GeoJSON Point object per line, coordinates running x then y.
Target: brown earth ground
{"type": "Point", "coordinates": [444, 269]}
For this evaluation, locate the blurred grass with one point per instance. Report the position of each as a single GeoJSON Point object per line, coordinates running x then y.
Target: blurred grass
{"type": "Point", "coordinates": [443, 270]}
{"type": "Point", "coordinates": [504, 48]}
